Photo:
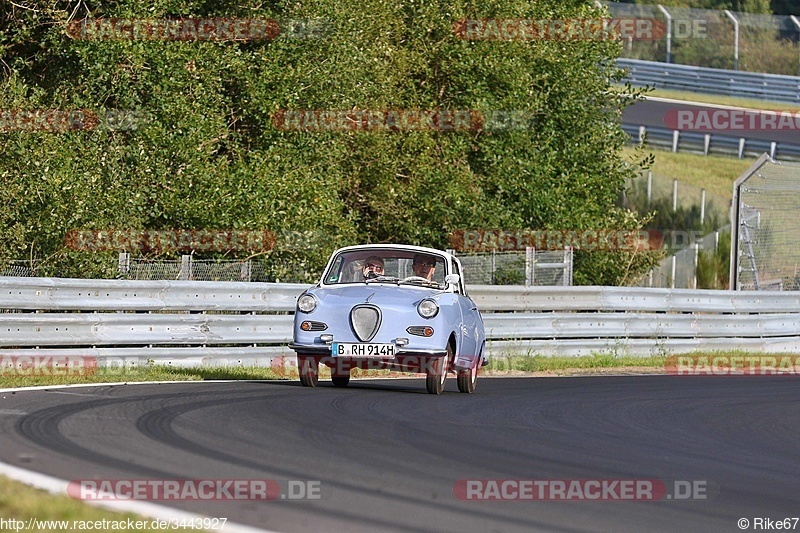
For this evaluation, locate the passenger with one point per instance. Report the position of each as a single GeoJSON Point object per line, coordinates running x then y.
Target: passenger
{"type": "Point", "coordinates": [424, 266]}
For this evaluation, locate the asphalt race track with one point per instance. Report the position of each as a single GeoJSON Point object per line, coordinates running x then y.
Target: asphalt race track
{"type": "Point", "coordinates": [654, 111]}
{"type": "Point", "coordinates": [387, 455]}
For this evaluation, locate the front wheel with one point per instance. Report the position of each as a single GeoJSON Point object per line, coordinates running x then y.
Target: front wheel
{"type": "Point", "coordinates": [436, 372]}
{"type": "Point", "coordinates": [309, 371]}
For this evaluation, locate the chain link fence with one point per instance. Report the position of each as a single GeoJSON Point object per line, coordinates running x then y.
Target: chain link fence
{"type": "Point", "coordinates": [766, 242]}
{"type": "Point", "coordinates": [531, 267]}
{"type": "Point", "coordinates": [680, 270]}
{"type": "Point", "coordinates": [24, 269]}
{"type": "Point", "coordinates": [498, 268]}
{"type": "Point", "coordinates": [712, 38]}
{"type": "Point", "coordinates": [188, 268]}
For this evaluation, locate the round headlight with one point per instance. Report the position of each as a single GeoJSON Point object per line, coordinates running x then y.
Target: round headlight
{"type": "Point", "coordinates": [306, 303]}
{"type": "Point", "coordinates": [427, 309]}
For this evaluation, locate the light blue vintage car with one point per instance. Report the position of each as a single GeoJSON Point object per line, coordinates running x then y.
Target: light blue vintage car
{"type": "Point", "coordinates": [396, 307]}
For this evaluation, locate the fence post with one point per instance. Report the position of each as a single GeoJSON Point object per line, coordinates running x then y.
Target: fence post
{"type": "Point", "coordinates": [669, 32]}
{"type": "Point", "coordinates": [568, 254]}
{"type": "Point", "coordinates": [186, 267]}
{"type": "Point", "coordinates": [674, 195]}
{"type": "Point", "coordinates": [124, 264]}
{"type": "Point", "coordinates": [797, 25]}
{"type": "Point", "coordinates": [529, 262]}
{"type": "Point", "coordinates": [735, 39]}
{"type": "Point", "coordinates": [702, 207]}
{"type": "Point", "coordinates": [674, 266]}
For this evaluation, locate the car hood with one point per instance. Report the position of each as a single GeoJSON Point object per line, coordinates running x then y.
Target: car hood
{"type": "Point", "coordinates": [350, 295]}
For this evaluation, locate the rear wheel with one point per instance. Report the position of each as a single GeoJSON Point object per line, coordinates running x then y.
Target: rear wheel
{"type": "Point", "coordinates": [436, 372]}
{"type": "Point", "coordinates": [341, 380]}
{"type": "Point", "coordinates": [468, 379]}
{"type": "Point", "coordinates": [309, 371]}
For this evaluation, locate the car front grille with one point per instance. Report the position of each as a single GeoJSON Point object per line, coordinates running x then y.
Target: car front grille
{"type": "Point", "coordinates": [365, 320]}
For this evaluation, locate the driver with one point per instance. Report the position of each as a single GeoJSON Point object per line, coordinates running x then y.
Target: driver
{"type": "Point", "coordinates": [373, 267]}
{"type": "Point", "coordinates": [424, 266]}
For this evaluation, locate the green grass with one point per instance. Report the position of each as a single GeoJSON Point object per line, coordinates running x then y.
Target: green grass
{"type": "Point", "coordinates": [725, 100]}
{"type": "Point", "coordinates": [715, 174]}
{"type": "Point", "coordinates": [499, 365]}
{"type": "Point", "coordinates": [139, 373]}
{"type": "Point", "coordinates": [538, 363]}
{"type": "Point", "coordinates": [21, 502]}
{"type": "Point", "coordinates": [752, 103]}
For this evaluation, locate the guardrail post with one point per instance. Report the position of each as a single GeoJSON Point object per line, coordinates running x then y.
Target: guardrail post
{"type": "Point", "coordinates": [706, 143]}
{"type": "Point", "coordinates": [772, 146]}
{"type": "Point", "coordinates": [696, 247]}
{"type": "Point", "coordinates": [741, 147]}
{"type": "Point", "coordinates": [675, 136]}
{"type": "Point", "coordinates": [649, 186]}
{"type": "Point", "coordinates": [642, 133]}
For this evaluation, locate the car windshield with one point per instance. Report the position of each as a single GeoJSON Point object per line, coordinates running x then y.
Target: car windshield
{"type": "Point", "coordinates": [404, 267]}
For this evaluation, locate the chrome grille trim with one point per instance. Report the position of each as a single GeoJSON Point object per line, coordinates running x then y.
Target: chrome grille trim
{"type": "Point", "coordinates": [365, 319]}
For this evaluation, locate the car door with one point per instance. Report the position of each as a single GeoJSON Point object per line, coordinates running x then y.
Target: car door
{"type": "Point", "coordinates": [471, 322]}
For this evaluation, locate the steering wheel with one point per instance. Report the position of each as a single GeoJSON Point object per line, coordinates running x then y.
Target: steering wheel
{"type": "Point", "coordinates": [415, 278]}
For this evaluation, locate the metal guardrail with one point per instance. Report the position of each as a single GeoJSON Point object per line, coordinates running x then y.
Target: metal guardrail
{"type": "Point", "coordinates": [711, 80]}
{"type": "Point", "coordinates": [185, 322]}
{"type": "Point", "coordinates": [706, 143]}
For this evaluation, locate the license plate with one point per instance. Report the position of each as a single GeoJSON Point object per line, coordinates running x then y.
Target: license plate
{"type": "Point", "coordinates": [355, 349]}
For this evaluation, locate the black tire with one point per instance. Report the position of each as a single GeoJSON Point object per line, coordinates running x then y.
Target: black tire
{"type": "Point", "coordinates": [341, 380]}
{"type": "Point", "coordinates": [436, 372]}
{"type": "Point", "coordinates": [309, 371]}
{"type": "Point", "coordinates": [468, 379]}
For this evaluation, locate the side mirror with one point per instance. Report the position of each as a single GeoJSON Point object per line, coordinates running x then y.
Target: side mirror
{"type": "Point", "coordinates": [452, 279]}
